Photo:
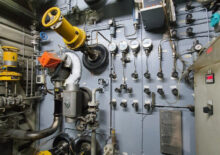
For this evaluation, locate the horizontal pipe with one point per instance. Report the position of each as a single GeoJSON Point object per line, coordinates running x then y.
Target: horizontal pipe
{"type": "Point", "coordinates": [32, 98]}
{"type": "Point", "coordinates": [15, 7]}
{"type": "Point", "coordinates": [31, 135]}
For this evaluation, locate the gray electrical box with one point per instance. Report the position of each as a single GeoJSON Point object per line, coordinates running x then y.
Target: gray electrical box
{"type": "Point", "coordinates": [207, 101]}
{"type": "Point", "coordinates": [152, 14]}
{"type": "Point", "coordinates": [147, 3]}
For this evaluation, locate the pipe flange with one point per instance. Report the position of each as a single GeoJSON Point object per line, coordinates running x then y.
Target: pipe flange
{"type": "Point", "coordinates": [99, 65]}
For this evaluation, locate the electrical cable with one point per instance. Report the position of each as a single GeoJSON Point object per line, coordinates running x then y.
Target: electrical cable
{"type": "Point", "coordinates": [142, 94]}
{"type": "Point", "coordinates": [125, 33]}
{"type": "Point", "coordinates": [96, 30]}
{"type": "Point", "coordinates": [188, 25]}
{"type": "Point", "coordinates": [170, 41]}
{"type": "Point", "coordinates": [13, 114]}
{"type": "Point", "coordinates": [207, 16]}
{"type": "Point", "coordinates": [103, 37]}
{"type": "Point", "coordinates": [111, 72]}
{"type": "Point", "coordinates": [192, 11]}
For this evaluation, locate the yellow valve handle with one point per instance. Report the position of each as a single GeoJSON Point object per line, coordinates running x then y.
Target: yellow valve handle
{"type": "Point", "coordinates": [54, 14]}
{"type": "Point", "coordinates": [73, 37]}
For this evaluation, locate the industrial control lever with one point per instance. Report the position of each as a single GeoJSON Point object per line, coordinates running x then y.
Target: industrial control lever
{"type": "Point", "coordinates": [95, 57]}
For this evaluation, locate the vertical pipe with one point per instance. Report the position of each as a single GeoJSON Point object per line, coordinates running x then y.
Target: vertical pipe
{"type": "Point", "coordinates": [27, 69]}
{"type": "Point", "coordinates": [142, 95]}
{"type": "Point", "coordinates": [111, 72]}
{"type": "Point", "coordinates": [93, 143]}
{"type": "Point", "coordinates": [6, 88]}
{"type": "Point", "coordinates": [15, 89]}
{"type": "Point", "coordinates": [32, 76]}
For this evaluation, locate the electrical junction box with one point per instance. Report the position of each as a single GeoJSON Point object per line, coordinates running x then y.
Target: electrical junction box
{"type": "Point", "coordinates": [207, 107]}
{"type": "Point", "coordinates": [152, 14]}
{"type": "Point", "coordinates": [40, 79]}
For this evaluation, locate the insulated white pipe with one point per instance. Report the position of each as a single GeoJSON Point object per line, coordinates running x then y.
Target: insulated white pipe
{"type": "Point", "coordinates": [76, 69]}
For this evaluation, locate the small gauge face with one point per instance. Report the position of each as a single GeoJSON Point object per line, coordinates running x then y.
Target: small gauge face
{"type": "Point", "coordinates": [123, 46]}
{"type": "Point", "coordinates": [147, 43]}
{"type": "Point", "coordinates": [112, 47]}
{"type": "Point", "coordinates": [198, 47]}
{"type": "Point", "coordinates": [134, 45]}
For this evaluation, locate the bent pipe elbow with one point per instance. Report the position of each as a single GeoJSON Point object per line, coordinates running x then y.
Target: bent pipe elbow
{"type": "Point", "coordinates": [33, 135]}
{"type": "Point", "coordinates": [76, 69]}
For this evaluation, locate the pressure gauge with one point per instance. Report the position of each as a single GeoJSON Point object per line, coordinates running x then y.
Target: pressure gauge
{"type": "Point", "coordinates": [113, 48]}
{"type": "Point", "coordinates": [135, 46]}
{"type": "Point", "coordinates": [147, 44]}
{"type": "Point", "coordinates": [123, 46]}
{"type": "Point", "coordinates": [198, 47]}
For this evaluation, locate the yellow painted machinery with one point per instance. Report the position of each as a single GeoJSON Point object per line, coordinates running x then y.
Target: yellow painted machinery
{"type": "Point", "coordinates": [73, 37]}
{"type": "Point", "coordinates": [95, 57]}
{"type": "Point", "coordinates": [9, 70]}
{"type": "Point", "coordinates": [44, 153]}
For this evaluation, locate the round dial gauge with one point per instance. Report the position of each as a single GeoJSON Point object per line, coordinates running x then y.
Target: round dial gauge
{"type": "Point", "coordinates": [123, 46]}
{"type": "Point", "coordinates": [198, 47]}
{"type": "Point", "coordinates": [147, 43]}
{"type": "Point", "coordinates": [112, 47]}
{"type": "Point", "coordinates": [135, 45]}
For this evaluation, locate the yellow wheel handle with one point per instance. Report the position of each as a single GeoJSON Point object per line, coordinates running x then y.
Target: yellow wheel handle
{"type": "Point", "coordinates": [54, 14]}
{"type": "Point", "coordinates": [9, 48]}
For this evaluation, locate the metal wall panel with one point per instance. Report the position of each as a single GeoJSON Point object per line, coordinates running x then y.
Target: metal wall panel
{"type": "Point", "coordinates": [137, 134]}
{"type": "Point", "coordinates": [13, 34]}
{"type": "Point", "coordinates": [207, 125]}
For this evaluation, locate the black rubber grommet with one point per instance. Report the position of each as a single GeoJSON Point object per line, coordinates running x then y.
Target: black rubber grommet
{"type": "Point", "coordinates": [98, 66]}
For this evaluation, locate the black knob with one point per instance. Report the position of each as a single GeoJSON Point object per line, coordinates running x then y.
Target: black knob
{"type": "Point", "coordinates": [189, 31]}
{"type": "Point", "coordinates": [191, 108]}
{"type": "Point", "coordinates": [206, 109]}
{"type": "Point", "coordinates": [113, 75]}
{"type": "Point", "coordinates": [147, 75]}
{"type": "Point", "coordinates": [135, 105]}
{"type": "Point", "coordinates": [117, 90]}
{"type": "Point", "coordinates": [123, 86]}
{"type": "Point", "coordinates": [189, 5]}
{"type": "Point", "coordinates": [147, 106]}
{"type": "Point", "coordinates": [160, 75]}
{"type": "Point", "coordinates": [125, 59]}
{"type": "Point", "coordinates": [134, 75]}
{"type": "Point", "coordinates": [123, 104]}
{"type": "Point", "coordinates": [173, 33]}
{"type": "Point", "coordinates": [113, 103]}
{"type": "Point", "coordinates": [147, 91]}
{"type": "Point", "coordinates": [189, 18]}
{"type": "Point", "coordinates": [148, 51]}
{"type": "Point", "coordinates": [175, 91]}
{"type": "Point", "coordinates": [175, 74]}
{"type": "Point", "coordinates": [102, 82]}
{"type": "Point", "coordinates": [160, 91]}
{"type": "Point", "coordinates": [130, 90]}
